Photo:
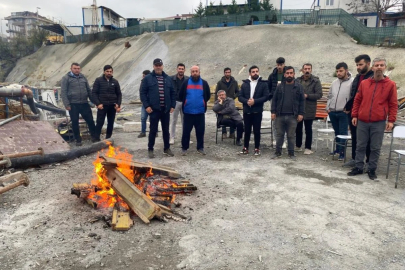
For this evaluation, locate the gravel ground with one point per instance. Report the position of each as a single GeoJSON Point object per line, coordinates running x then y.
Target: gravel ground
{"type": "Point", "coordinates": [248, 213]}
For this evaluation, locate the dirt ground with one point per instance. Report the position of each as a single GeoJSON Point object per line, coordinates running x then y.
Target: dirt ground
{"type": "Point", "coordinates": [248, 213]}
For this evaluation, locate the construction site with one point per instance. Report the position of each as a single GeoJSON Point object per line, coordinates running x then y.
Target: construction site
{"type": "Point", "coordinates": [106, 205]}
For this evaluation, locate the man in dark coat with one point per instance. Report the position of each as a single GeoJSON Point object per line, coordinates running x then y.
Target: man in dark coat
{"type": "Point", "coordinates": [363, 64]}
{"type": "Point", "coordinates": [287, 109]}
{"type": "Point", "coordinates": [194, 93]}
{"type": "Point", "coordinates": [159, 99]}
{"type": "Point", "coordinates": [228, 115]}
{"type": "Point", "coordinates": [75, 94]}
{"type": "Point", "coordinates": [277, 76]}
{"type": "Point", "coordinates": [254, 93]}
{"type": "Point", "coordinates": [107, 97]}
{"type": "Point", "coordinates": [312, 92]}
{"type": "Point", "coordinates": [231, 88]}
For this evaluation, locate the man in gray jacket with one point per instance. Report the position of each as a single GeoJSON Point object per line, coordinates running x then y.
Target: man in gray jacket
{"type": "Point", "coordinates": [312, 92]}
{"type": "Point", "coordinates": [339, 94]}
{"type": "Point", "coordinates": [228, 115]}
{"type": "Point", "coordinates": [75, 94]}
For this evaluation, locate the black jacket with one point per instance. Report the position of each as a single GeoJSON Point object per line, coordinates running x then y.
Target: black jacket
{"type": "Point", "coordinates": [150, 92]}
{"type": "Point", "coordinates": [106, 92]}
{"type": "Point", "coordinates": [273, 81]}
{"type": "Point", "coordinates": [314, 92]}
{"type": "Point", "coordinates": [206, 93]}
{"type": "Point", "coordinates": [231, 92]}
{"type": "Point", "coordinates": [355, 86]}
{"type": "Point", "coordinates": [260, 96]}
{"type": "Point", "coordinates": [298, 99]}
{"type": "Point", "coordinates": [177, 85]}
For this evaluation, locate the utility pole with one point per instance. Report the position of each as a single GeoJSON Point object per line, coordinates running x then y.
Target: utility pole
{"type": "Point", "coordinates": [94, 17]}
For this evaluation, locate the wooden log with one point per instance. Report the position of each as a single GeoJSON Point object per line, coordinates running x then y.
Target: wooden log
{"type": "Point", "coordinates": [143, 167]}
{"type": "Point", "coordinates": [121, 221]}
{"type": "Point", "coordinates": [144, 207]}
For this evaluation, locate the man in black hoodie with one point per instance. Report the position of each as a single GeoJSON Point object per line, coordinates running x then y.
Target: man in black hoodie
{"type": "Point", "coordinates": [253, 94]}
{"type": "Point", "coordinates": [107, 97]}
{"type": "Point", "coordinates": [277, 76]}
{"type": "Point", "coordinates": [363, 64]}
{"type": "Point", "coordinates": [231, 88]}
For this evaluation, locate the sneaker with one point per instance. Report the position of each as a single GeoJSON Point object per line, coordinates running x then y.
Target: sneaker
{"type": "Point", "coordinates": [151, 154]}
{"type": "Point", "coordinates": [224, 136]}
{"type": "Point", "coordinates": [355, 171]}
{"type": "Point", "coordinates": [307, 152]}
{"type": "Point", "coordinates": [238, 143]}
{"type": "Point", "coordinates": [351, 163]}
{"type": "Point", "coordinates": [298, 149]}
{"type": "Point", "coordinates": [341, 157]}
{"type": "Point", "coordinates": [201, 151]}
{"type": "Point", "coordinates": [293, 157]}
{"type": "Point", "coordinates": [168, 152]}
{"type": "Point", "coordinates": [372, 175]}
{"type": "Point", "coordinates": [257, 152]}
{"type": "Point", "coordinates": [79, 144]}
{"type": "Point", "coordinates": [183, 152]}
{"type": "Point", "coordinates": [232, 136]}
{"type": "Point", "coordinates": [244, 151]}
{"type": "Point", "coordinates": [275, 155]}
{"type": "Point", "coordinates": [171, 142]}
{"type": "Point", "coordinates": [334, 153]}
{"type": "Point", "coordinates": [141, 135]}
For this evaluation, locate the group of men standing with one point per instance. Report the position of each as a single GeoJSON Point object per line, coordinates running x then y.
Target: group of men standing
{"type": "Point", "coordinates": [364, 103]}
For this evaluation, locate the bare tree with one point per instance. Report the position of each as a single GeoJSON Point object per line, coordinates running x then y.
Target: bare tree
{"type": "Point", "coordinates": [379, 6]}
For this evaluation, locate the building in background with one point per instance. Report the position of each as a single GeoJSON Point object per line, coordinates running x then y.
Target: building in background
{"type": "Point", "coordinates": [101, 18]}
{"type": "Point", "coordinates": [21, 23]}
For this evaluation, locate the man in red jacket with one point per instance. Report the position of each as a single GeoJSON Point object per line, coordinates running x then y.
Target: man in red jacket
{"type": "Point", "coordinates": [375, 102]}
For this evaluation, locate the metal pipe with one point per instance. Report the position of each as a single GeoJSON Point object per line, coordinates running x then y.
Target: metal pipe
{"type": "Point", "coordinates": [15, 92]}
{"type": "Point", "coordinates": [9, 120]}
{"type": "Point", "coordinates": [40, 151]}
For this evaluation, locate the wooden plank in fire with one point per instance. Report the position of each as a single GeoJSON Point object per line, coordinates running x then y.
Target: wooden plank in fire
{"type": "Point", "coordinates": [144, 207]}
{"type": "Point", "coordinates": [144, 167]}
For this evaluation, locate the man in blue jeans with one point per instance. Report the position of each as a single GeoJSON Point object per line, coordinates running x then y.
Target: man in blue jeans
{"type": "Point", "coordinates": [144, 114]}
{"type": "Point", "coordinates": [339, 94]}
{"type": "Point", "coordinates": [287, 109]}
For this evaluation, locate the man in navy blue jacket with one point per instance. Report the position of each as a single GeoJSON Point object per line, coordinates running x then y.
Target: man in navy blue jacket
{"type": "Point", "coordinates": [159, 99]}
{"type": "Point", "coordinates": [194, 93]}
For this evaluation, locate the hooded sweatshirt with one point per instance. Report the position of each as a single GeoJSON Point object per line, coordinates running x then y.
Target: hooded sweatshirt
{"type": "Point", "coordinates": [375, 101]}
{"type": "Point", "coordinates": [339, 94]}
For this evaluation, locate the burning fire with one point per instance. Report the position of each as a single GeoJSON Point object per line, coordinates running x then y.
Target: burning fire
{"type": "Point", "coordinates": [105, 196]}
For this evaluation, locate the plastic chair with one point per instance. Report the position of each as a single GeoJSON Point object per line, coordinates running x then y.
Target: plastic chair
{"type": "Point", "coordinates": [324, 131]}
{"type": "Point", "coordinates": [398, 132]}
{"type": "Point", "coordinates": [267, 128]}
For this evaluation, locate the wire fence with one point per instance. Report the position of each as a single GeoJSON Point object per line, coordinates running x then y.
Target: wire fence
{"type": "Point", "coordinates": [385, 36]}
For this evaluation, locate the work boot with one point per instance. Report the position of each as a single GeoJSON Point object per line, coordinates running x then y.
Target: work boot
{"type": "Point", "coordinates": [151, 154]}
{"type": "Point", "coordinates": [224, 136]}
{"type": "Point", "coordinates": [141, 135]}
{"type": "Point", "coordinates": [355, 171]}
{"type": "Point", "coordinates": [232, 136]}
{"type": "Point", "coordinates": [168, 152]}
{"type": "Point", "coordinates": [293, 157]}
{"type": "Point", "coordinates": [372, 175]}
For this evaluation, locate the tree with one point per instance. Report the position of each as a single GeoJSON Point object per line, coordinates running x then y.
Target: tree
{"type": "Point", "coordinates": [220, 9]}
{"type": "Point", "coordinates": [200, 11]}
{"type": "Point", "coordinates": [266, 5]}
{"type": "Point", "coordinates": [211, 10]}
{"type": "Point", "coordinates": [379, 6]}
{"type": "Point", "coordinates": [233, 8]}
{"type": "Point", "coordinates": [37, 36]}
{"type": "Point", "coordinates": [255, 6]}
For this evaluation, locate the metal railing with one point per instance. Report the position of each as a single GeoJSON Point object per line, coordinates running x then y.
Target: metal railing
{"type": "Point", "coordinates": [389, 36]}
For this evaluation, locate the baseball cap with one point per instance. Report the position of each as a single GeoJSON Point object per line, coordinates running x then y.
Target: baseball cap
{"type": "Point", "coordinates": [158, 61]}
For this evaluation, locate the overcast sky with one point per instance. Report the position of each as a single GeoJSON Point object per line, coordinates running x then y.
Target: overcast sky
{"type": "Point", "coordinates": [69, 11]}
